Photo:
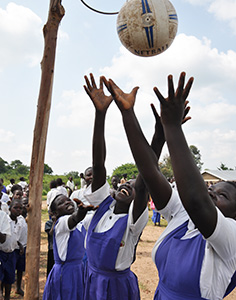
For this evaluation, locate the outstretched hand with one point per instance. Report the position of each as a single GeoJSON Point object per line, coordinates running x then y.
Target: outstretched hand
{"type": "Point", "coordinates": [124, 101]}
{"type": "Point", "coordinates": [174, 108]}
{"type": "Point", "coordinates": [82, 208]}
{"type": "Point", "coordinates": [97, 95]}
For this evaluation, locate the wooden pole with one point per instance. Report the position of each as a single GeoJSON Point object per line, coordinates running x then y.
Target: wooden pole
{"type": "Point", "coordinates": [56, 13]}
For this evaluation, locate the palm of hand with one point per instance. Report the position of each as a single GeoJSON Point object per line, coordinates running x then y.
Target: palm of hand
{"type": "Point", "coordinates": [100, 100]}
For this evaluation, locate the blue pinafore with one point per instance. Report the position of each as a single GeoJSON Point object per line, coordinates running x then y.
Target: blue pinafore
{"type": "Point", "coordinates": [179, 264]}
{"type": "Point", "coordinates": [103, 282]}
{"type": "Point", "coordinates": [66, 279]}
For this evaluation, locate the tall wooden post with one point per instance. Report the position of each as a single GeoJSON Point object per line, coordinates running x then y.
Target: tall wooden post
{"type": "Point", "coordinates": [56, 13]}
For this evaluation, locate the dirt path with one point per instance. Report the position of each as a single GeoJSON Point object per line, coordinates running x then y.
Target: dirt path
{"type": "Point", "coordinates": [143, 267]}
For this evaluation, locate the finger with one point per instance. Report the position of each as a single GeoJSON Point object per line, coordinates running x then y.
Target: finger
{"type": "Point", "coordinates": [179, 90]}
{"type": "Point", "coordinates": [156, 115]}
{"type": "Point", "coordinates": [186, 111]}
{"type": "Point", "coordinates": [171, 90]}
{"type": "Point", "coordinates": [186, 119]}
{"type": "Point", "coordinates": [101, 83]}
{"type": "Point", "coordinates": [87, 90]}
{"type": "Point", "coordinates": [93, 80]}
{"type": "Point", "coordinates": [188, 88]}
{"type": "Point", "coordinates": [87, 82]}
{"type": "Point", "coordinates": [159, 96]}
{"type": "Point", "coordinates": [134, 91]}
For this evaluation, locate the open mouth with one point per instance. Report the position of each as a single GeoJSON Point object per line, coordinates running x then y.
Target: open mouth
{"type": "Point", "coordinates": [125, 192]}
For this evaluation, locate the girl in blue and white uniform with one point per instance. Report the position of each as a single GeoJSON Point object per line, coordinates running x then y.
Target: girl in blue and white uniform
{"type": "Point", "coordinates": [66, 279]}
{"type": "Point", "coordinates": [118, 222]}
{"type": "Point", "coordinates": [196, 254]}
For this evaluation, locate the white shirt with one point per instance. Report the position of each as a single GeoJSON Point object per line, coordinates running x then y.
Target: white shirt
{"type": "Point", "coordinates": [71, 185]}
{"type": "Point", "coordinates": [5, 227]}
{"type": "Point", "coordinates": [4, 198]}
{"type": "Point", "coordinates": [11, 241]}
{"type": "Point", "coordinates": [51, 195]}
{"type": "Point", "coordinates": [24, 231]}
{"type": "Point", "coordinates": [23, 184]}
{"type": "Point", "coordinates": [62, 190]}
{"type": "Point", "coordinates": [62, 234]}
{"type": "Point", "coordinates": [132, 232]}
{"type": "Point", "coordinates": [4, 207]}
{"type": "Point", "coordinates": [219, 263]}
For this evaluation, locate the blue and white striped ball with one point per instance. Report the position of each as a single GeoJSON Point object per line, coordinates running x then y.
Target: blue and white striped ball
{"type": "Point", "coordinates": [147, 27]}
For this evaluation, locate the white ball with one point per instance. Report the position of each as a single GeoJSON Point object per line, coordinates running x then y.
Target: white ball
{"type": "Point", "coordinates": [147, 27]}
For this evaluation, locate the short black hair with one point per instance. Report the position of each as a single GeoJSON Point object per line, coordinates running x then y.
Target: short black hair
{"type": "Point", "coordinates": [52, 207]}
{"type": "Point", "coordinates": [16, 187]}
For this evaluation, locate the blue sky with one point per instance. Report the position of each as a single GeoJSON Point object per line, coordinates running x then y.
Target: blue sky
{"type": "Point", "coordinates": [87, 42]}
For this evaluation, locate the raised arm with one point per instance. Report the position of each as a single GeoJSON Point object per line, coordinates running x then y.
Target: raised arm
{"type": "Point", "coordinates": [191, 187]}
{"type": "Point", "coordinates": [143, 154]}
{"type": "Point", "coordinates": [101, 103]}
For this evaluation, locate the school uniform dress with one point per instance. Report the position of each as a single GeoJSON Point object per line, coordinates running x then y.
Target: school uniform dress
{"type": "Point", "coordinates": [7, 251]}
{"type": "Point", "coordinates": [66, 279]}
{"type": "Point", "coordinates": [190, 266]}
{"type": "Point", "coordinates": [5, 228]}
{"type": "Point", "coordinates": [110, 246]}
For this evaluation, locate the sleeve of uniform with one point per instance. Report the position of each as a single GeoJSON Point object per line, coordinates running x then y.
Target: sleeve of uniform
{"type": "Point", "coordinates": [5, 227]}
{"type": "Point", "coordinates": [97, 197]}
{"type": "Point", "coordinates": [223, 239]}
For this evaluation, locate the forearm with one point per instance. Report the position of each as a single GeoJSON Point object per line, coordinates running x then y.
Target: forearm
{"type": "Point", "coordinates": [190, 184]}
{"type": "Point", "coordinates": [146, 161]}
{"type": "Point", "coordinates": [99, 151]}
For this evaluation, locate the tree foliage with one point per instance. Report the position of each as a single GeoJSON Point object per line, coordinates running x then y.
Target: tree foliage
{"type": "Point", "coordinates": [196, 155]}
{"type": "Point", "coordinates": [130, 169]}
{"type": "Point", "coordinates": [47, 169]}
{"type": "Point", "coordinates": [223, 167]}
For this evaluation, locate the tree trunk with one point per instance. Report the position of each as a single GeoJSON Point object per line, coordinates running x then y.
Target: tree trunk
{"type": "Point", "coordinates": [56, 13]}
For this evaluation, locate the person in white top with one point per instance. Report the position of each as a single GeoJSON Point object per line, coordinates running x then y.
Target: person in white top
{"type": "Point", "coordinates": [117, 224]}
{"type": "Point", "coordinates": [7, 254]}
{"type": "Point", "coordinates": [79, 194]}
{"type": "Point", "coordinates": [23, 183]}
{"type": "Point", "coordinates": [52, 193]}
{"type": "Point", "coordinates": [196, 254]}
{"type": "Point", "coordinates": [5, 230]}
{"type": "Point", "coordinates": [60, 187]}
{"type": "Point", "coordinates": [70, 185]}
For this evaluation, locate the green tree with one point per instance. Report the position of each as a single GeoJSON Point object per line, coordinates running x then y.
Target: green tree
{"type": "Point", "coordinates": [166, 167]}
{"type": "Point", "coordinates": [47, 169]}
{"type": "Point", "coordinates": [130, 169]}
{"type": "Point", "coordinates": [16, 164]}
{"type": "Point", "coordinates": [73, 174]}
{"type": "Point", "coordinates": [3, 166]}
{"type": "Point", "coordinates": [223, 167]}
{"type": "Point", "coordinates": [196, 155]}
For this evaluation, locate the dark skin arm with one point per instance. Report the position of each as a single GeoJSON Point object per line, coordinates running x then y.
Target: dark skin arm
{"type": "Point", "coordinates": [101, 103]}
{"type": "Point", "coordinates": [2, 238]}
{"type": "Point", "coordinates": [80, 214]}
{"type": "Point", "coordinates": [191, 186]}
{"type": "Point", "coordinates": [143, 154]}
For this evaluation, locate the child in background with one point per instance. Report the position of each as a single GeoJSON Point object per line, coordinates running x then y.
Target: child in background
{"type": "Point", "coordinates": [5, 230]}
{"type": "Point", "coordinates": [7, 249]}
{"type": "Point", "coordinates": [156, 217]}
{"type": "Point", "coordinates": [66, 279]}
{"type": "Point", "coordinates": [49, 230]}
{"type": "Point", "coordinates": [20, 257]}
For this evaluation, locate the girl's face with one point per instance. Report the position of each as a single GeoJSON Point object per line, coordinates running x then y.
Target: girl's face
{"type": "Point", "coordinates": [223, 195]}
{"type": "Point", "coordinates": [125, 193]}
{"type": "Point", "coordinates": [88, 176]}
{"type": "Point", "coordinates": [16, 209]}
{"type": "Point", "coordinates": [64, 206]}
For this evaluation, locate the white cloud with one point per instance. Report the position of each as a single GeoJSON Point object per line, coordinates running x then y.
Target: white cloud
{"type": "Point", "coordinates": [6, 136]}
{"type": "Point", "coordinates": [21, 36]}
{"type": "Point", "coordinates": [224, 10]}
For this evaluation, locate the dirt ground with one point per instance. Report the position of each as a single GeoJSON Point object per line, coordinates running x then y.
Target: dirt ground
{"type": "Point", "coordinates": [143, 267]}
